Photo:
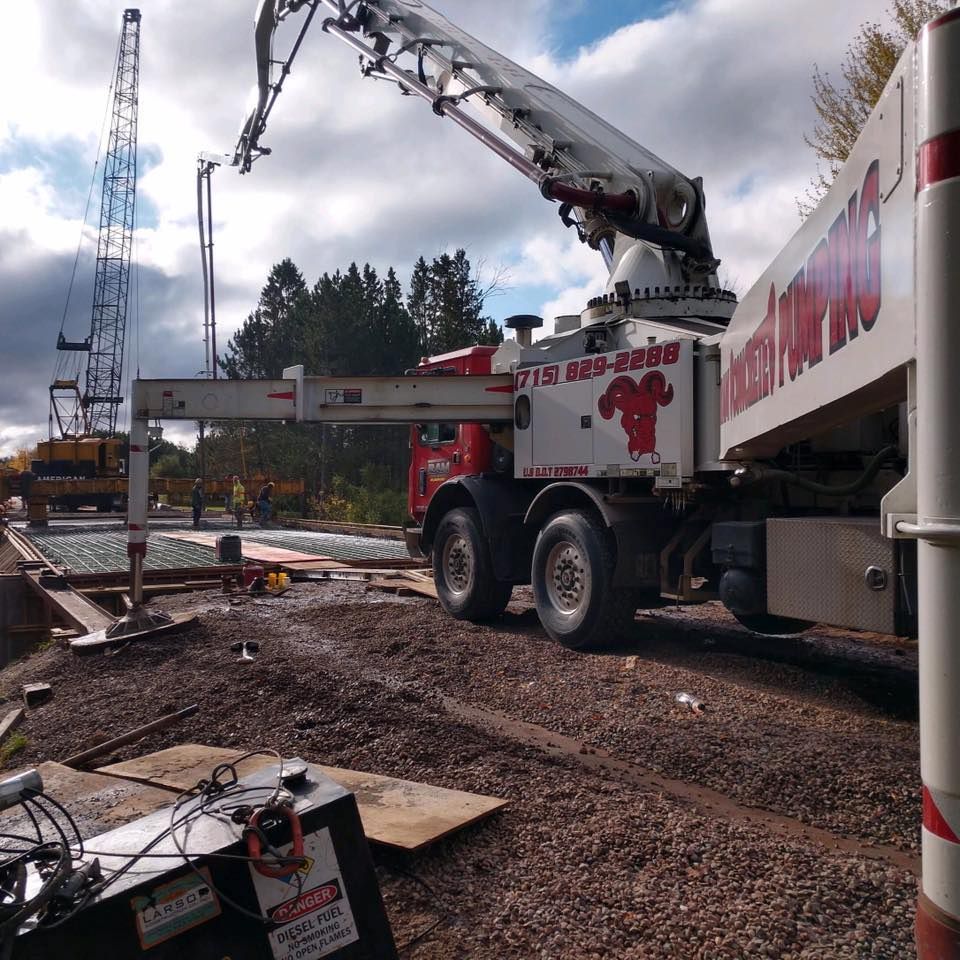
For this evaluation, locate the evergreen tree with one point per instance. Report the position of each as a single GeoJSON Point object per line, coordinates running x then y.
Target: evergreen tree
{"type": "Point", "coordinates": [349, 323]}
{"type": "Point", "coordinates": [446, 304]}
{"type": "Point", "coordinates": [264, 343]}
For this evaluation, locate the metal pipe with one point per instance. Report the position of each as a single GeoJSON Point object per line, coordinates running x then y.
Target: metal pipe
{"type": "Point", "coordinates": [201, 167]}
{"type": "Point", "coordinates": [938, 483]}
{"type": "Point", "coordinates": [213, 297]}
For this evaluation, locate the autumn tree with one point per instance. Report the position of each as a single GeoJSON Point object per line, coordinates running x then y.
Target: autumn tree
{"type": "Point", "coordinates": [844, 107]}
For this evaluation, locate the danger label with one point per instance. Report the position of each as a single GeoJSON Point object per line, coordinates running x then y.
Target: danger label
{"type": "Point", "coordinates": [310, 910]}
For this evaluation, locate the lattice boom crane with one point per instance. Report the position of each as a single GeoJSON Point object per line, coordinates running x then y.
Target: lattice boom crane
{"type": "Point", "coordinates": [95, 410]}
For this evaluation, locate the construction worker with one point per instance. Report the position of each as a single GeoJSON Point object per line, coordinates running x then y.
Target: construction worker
{"type": "Point", "coordinates": [264, 503]}
{"type": "Point", "coordinates": [239, 500]}
{"type": "Point", "coordinates": [196, 500]}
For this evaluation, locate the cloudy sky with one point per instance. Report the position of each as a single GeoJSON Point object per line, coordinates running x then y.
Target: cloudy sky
{"type": "Point", "coordinates": [718, 88]}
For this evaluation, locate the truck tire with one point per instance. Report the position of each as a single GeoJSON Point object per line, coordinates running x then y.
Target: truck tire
{"type": "Point", "coordinates": [463, 570]}
{"type": "Point", "coordinates": [572, 576]}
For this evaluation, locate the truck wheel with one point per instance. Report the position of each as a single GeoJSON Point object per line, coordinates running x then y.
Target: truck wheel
{"type": "Point", "coordinates": [463, 570]}
{"type": "Point", "coordinates": [573, 563]}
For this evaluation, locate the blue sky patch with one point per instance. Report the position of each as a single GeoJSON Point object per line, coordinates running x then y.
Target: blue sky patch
{"type": "Point", "coordinates": [579, 23]}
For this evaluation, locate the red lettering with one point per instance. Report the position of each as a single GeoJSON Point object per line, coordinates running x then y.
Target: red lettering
{"type": "Point", "coordinates": [786, 319]}
{"type": "Point", "coordinates": [843, 303]}
{"type": "Point", "coordinates": [868, 248]}
{"type": "Point", "coordinates": [818, 298]}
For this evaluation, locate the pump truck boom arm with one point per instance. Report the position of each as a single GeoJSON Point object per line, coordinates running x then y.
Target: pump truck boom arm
{"type": "Point", "coordinates": [621, 192]}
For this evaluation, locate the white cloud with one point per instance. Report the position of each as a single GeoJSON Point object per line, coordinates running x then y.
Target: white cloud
{"type": "Point", "coordinates": [719, 88]}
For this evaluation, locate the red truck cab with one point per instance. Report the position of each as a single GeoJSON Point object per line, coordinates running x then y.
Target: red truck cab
{"type": "Point", "coordinates": [439, 451]}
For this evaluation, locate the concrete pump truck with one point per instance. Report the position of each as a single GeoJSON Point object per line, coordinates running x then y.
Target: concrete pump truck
{"type": "Point", "coordinates": [796, 455]}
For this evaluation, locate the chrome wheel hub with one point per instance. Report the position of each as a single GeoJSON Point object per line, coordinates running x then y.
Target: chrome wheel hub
{"type": "Point", "coordinates": [457, 564]}
{"type": "Point", "coordinates": [567, 580]}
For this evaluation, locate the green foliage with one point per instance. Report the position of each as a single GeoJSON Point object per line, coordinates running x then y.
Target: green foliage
{"type": "Point", "coordinates": [842, 110]}
{"type": "Point", "coordinates": [446, 304]}
{"type": "Point", "coordinates": [172, 460]}
{"type": "Point", "coordinates": [350, 322]}
{"type": "Point", "coordinates": [15, 743]}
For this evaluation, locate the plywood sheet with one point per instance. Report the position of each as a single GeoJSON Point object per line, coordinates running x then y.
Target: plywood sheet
{"type": "Point", "coordinates": [396, 813]}
{"type": "Point", "coordinates": [250, 550]}
{"type": "Point", "coordinates": [98, 803]}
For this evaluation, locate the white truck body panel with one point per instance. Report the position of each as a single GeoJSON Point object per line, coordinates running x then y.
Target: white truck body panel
{"type": "Point", "coordinates": [824, 334]}
{"type": "Point", "coordinates": [627, 413]}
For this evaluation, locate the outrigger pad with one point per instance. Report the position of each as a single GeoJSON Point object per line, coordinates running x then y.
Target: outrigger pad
{"type": "Point", "coordinates": [103, 639]}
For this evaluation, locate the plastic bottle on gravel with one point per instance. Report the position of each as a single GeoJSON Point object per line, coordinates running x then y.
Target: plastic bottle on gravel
{"type": "Point", "coordinates": [689, 700]}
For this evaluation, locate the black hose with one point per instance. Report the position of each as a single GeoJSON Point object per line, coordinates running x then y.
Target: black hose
{"type": "Point", "coordinates": [842, 490]}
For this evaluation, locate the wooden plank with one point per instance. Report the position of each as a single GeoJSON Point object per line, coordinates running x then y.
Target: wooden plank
{"type": "Point", "coordinates": [259, 552]}
{"type": "Point", "coordinates": [403, 587]}
{"type": "Point", "coordinates": [395, 813]}
{"type": "Point", "coordinates": [96, 802]}
{"type": "Point", "coordinates": [70, 605]}
{"type": "Point", "coordinates": [10, 722]}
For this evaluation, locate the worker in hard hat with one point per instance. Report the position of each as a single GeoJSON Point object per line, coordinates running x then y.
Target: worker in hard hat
{"type": "Point", "coordinates": [239, 500]}
{"type": "Point", "coordinates": [265, 503]}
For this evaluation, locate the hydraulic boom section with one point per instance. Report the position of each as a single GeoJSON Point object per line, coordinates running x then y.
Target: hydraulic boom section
{"type": "Point", "coordinates": [613, 191]}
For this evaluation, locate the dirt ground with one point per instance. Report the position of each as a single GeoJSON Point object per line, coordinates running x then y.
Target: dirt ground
{"type": "Point", "coordinates": [781, 822]}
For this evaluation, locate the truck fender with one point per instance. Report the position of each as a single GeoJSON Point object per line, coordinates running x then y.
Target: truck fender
{"type": "Point", "coordinates": [636, 527]}
{"type": "Point", "coordinates": [502, 505]}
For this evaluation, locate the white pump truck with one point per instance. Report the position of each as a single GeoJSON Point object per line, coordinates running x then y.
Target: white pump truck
{"type": "Point", "coordinates": [796, 455]}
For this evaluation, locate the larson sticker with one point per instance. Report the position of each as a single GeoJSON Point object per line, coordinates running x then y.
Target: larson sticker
{"type": "Point", "coordinates": [310, 911]}
{"type": "Point", "coordinates": [172, 908]}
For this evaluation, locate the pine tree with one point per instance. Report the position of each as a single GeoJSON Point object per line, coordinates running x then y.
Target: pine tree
{"type": "Point", "coordinates": [263, 344]}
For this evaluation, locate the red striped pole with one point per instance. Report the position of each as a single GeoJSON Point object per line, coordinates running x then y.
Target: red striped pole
{"type": "Point", "coordinates": [938, 480]}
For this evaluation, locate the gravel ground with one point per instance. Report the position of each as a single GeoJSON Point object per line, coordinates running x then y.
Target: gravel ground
{"type": "Point", "coordinates": [586, 862]}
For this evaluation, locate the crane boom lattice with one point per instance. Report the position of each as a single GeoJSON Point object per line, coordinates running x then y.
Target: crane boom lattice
{"type": "Point", "coordinates": [104, 383]}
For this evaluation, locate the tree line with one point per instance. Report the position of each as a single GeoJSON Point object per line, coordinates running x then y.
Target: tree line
{"type": "Point", "coordinates": [351, 322]}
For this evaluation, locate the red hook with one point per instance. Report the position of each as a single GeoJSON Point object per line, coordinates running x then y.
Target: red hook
{"type": "Point", "coordinates": [255, 849]}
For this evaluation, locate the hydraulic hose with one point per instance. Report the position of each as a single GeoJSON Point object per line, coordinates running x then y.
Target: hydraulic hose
{"type": "Point", "coordinates": [826, 490]}
{"type": "Point", "coordinates": [578, 197]}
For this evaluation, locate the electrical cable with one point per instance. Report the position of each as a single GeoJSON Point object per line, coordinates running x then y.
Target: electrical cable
{"type": "Point", "coordinates": [430, 927]}
{"type": "Point", "coordinates": [71, 822]}
{"type": "Point", "coordinates": [221, 796]}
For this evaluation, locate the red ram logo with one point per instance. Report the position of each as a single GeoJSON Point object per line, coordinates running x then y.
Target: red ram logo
{"type": "Point", "coordinates": [637, 403]}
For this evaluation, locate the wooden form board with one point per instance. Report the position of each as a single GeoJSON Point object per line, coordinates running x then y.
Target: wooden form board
{"type": "Point", "coordinates": [98, 803]}
{"type": "Point", "coordinates": [250, 550]}
{"type": "Point", "coordinates": [396, 813]}
{"type": "Point", "coordinates": [76, 609]}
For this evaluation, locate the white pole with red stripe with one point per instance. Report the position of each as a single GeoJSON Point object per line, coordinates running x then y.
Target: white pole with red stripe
{"type": "Point", "coordinates": [137, 506]}
{"type": "Point", "coordinates": [938, 480]}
